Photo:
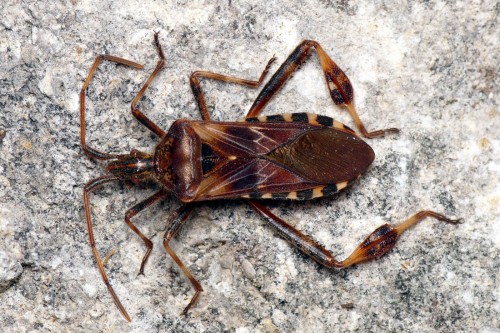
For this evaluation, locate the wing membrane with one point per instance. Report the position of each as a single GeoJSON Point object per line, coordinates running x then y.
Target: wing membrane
{"type": "Point", "coordinates": [325, 156]}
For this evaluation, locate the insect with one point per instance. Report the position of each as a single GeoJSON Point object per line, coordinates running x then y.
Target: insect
{"type": "Point", "coordinates": [293, 156]}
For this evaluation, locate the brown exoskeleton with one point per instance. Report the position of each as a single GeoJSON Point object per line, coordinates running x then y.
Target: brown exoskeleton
{"type": "Point", "coordinates": [297, 156]}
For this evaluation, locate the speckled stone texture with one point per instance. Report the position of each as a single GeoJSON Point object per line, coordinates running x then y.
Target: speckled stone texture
{"type": "Point", "coordinates": [429, 68]}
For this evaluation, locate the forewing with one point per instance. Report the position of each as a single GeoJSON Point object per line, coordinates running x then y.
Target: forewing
{"type": "Point", "coordinates": [247, 140]}
{"type": "Point", "coordinates": [265, 159]}
{"type": "Point", "coordinates": [247, 176]}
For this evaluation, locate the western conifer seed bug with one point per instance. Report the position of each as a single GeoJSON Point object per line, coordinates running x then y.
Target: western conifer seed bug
{"type": "Point", "coordinates": [293, 156]}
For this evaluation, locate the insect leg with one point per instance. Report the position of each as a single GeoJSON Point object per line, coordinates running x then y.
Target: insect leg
{"type": "Point", "coordinates": [381, 241]}
{"type": "Point", "coordinates": [135, 110]}
{"type": "Point", "coordinates": [89, 151]}
{"type": "Point", "coordinates": [133, 212]}
{"type": "Point", "coordinates": [175, 223]}
{"type": "Point", "coordinates": [89, 187]}
{"type": "Point", "coordinates": [200, 96]}
{"type": "Point", "coordinates": [384, 238]}
{"type": "Point", "coordinates": [304, 243]}
{"type": "Point", "coordinates": [338, 84]}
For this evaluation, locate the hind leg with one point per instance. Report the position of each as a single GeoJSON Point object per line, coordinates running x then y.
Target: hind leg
{"type": "Point", "coordinates": [378, 243]}
{"type": "Point", "coordinates": [337, 82]}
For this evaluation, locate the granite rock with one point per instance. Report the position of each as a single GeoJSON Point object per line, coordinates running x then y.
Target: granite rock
{"type": "Point", "coordinates": [429, 68]}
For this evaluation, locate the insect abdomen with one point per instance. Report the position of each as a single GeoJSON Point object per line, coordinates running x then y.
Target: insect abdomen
{"type": "Point", "coordinates": [312, 193]}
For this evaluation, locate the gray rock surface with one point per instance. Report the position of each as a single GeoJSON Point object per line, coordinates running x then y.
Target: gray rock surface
{"type": "Point", "coordinates": [429, 68]}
